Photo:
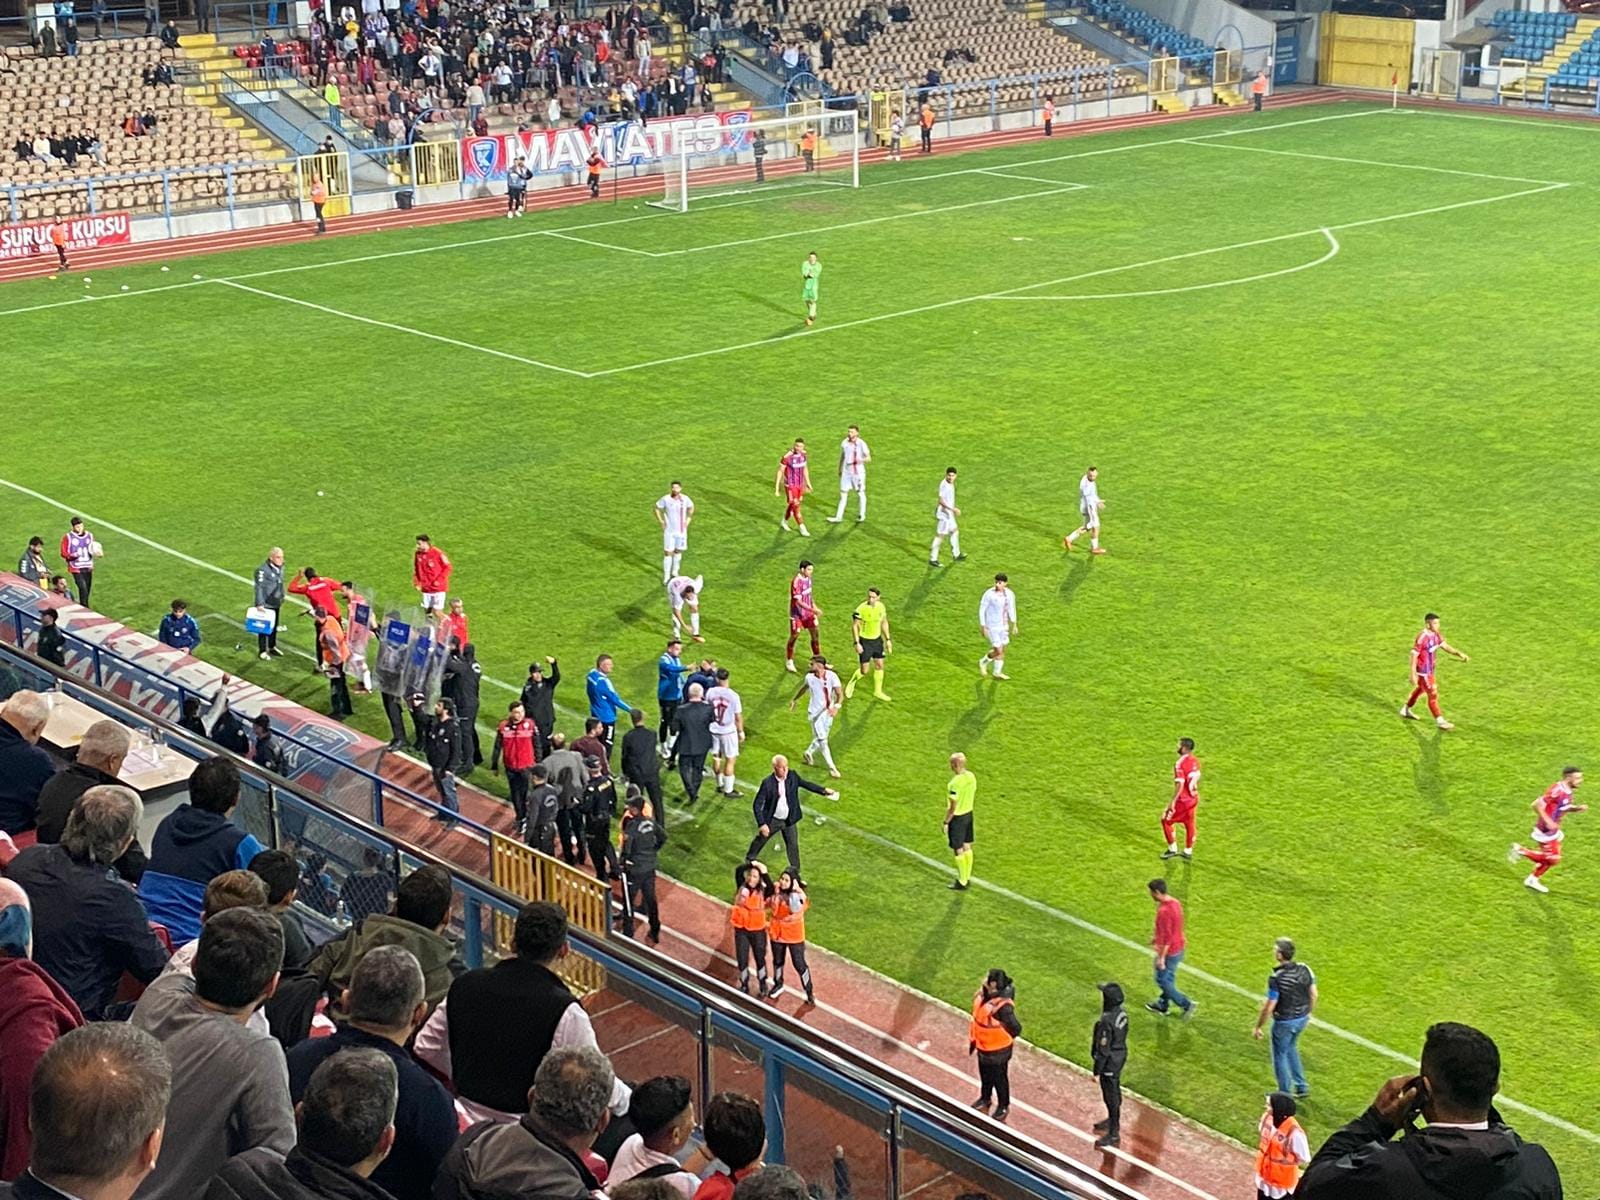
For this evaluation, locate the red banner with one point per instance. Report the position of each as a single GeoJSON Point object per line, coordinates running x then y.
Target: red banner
{"type": "Point", "coordinates": [83, 233]}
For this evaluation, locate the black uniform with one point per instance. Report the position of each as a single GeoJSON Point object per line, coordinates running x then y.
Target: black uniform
{"type": "Point", "coordinates": [539, 702]}
{"type": "Point", "coordinates": [692, 724]}
{"type": "Point", "coordinates": [642, 768]}
{"type": "Point", "coordinates": [759, 147]}
{"type": "Point", "coordinates": [462, 674]}
{"type": "Point", "coordinates": [52, 645]}
{"type": "Point", "coordinates": [539, 831]}
{"type": "Point", "coordinates": [1108, 1055]}
{"type": "Point", "coordinates": [568, 775]}
{"type": "Point", "coordinates": [642, 840]}
{"type": "Point", "coordinates": [599, 808]}
{"type": "Point", "coordinates": [444, 750]}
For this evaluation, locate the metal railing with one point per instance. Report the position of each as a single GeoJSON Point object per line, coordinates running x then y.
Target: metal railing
{"type": "Point", "coordinates": [895, 1133]}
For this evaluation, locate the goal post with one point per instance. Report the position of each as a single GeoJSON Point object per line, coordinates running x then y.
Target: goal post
{"type": "Point", "coordinates": [801, 152]}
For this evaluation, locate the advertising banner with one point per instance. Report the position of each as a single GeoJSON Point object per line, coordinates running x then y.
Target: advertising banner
{"type": "Point", "coordinates": [621, 143]}
{"type": "Point", "coordinates": [83, 233]}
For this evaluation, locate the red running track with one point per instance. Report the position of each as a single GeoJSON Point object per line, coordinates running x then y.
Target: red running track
{"type": "Point", "coordinates": [643, 186]}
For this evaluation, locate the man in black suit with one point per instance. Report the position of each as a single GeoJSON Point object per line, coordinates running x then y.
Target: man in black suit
{"type": "Point", "coordinates": [777, 809]}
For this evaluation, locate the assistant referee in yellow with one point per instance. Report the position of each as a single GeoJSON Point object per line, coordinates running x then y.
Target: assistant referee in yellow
{"type": "Point", "coordinates": [963, 792]}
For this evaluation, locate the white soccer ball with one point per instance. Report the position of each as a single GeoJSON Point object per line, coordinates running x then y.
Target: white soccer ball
{"type": "Point", "coordinates": [124, 287]}
{"type": "Point", "coordinates": [194, 277]}
{"type": "Point", "coordinates": [86, 281]}
{"type": "Point", "coordinates": [321, 493]}
{"type": "Point", "coordinates": [164, 270]}
{"type": "Point", "coordinates": [96, 549]}
{"type": "Point", "coordinates": [822, 820]}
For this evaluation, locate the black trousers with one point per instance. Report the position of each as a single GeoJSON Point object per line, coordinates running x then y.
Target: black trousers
{"type": "Point", "coordinates": [542, 838]}
{"type": "Point", "coordinates": [797, 955]}
{"type": "Point", "coordinates": [84, 582]}
{"type": "Point", "coordinates": [761, 170]}
{"type": "Point", "coordinates": [994, 1073]}
{"type": "Point", "coordinates": [569, 824]}
{"type": "Point", "coordinates": [603, 854]}
{"type": "Point", "coordinates": [791, 843]}
{"type": "Point", "coordinates": [1047, 127]}
{"type": "Point", "coordinates": [1257, 97]}
{"type": "Point", "coordinates": [640, 890]}
{"type": "Point", "coordinates": [669, 709]}
{"type": "Point", "coordinates": [469, 732]}
{"type": "Point", "coordinates": [751, 944]}
{"type": "Point", "coordinates": [651, 787]}
{"type": "Point", "coordinates": [1111, 1093]}
{"type": "Point", "coordinates": [608, 738]}
{"type": "Point", "coordinates": [269, 641]}
{"type": "Point", "coordinates": [544, 742]}
{"type": "Point", "coordinates": [339, 696]}
{"type": "Point", "coordinates": [322, 222]}
{"type": "Point", "coordinates": [692, 770]}
{"type": "Point", "coordinates": [517, 784]}
{"type": "Point", "coordinates": [927, 140]}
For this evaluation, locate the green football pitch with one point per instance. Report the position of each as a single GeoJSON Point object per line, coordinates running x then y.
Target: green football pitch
{"type": "Point", "coordinates": [1331, 363]}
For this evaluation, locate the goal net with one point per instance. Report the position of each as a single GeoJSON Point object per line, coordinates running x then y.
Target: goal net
{"type": "Point", "coordinates": [800, 152]}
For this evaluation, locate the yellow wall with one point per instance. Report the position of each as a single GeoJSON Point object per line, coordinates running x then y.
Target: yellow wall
{"type": "Point", "coordinates": [1365, 52]}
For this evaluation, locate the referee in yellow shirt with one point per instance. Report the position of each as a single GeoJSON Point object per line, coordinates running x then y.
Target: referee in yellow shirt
{"type": "Point", "coordinates": [871, 625]}
{"type": "Point", "coordinates": [958, 819]}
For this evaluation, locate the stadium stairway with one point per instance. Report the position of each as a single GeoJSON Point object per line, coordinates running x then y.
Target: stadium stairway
{"type": "Point", "coordinates": [1559, 47]}
{"type": "Point", "coordinates": [210, 59]}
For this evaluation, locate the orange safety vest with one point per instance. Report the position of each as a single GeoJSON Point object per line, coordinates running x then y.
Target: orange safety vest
{"type": "Point", "coordinates": [986, 1032]}
{"type": "Point", "coordinates": [1258, 86]}
{"type": "Point", "coordinates": [319, 192]}
{"type": "Point", "coordinates": [749, 913]}
{"type": "Point", "coordinates": [596, 164]}
{"type": "Point", "coordinates": [927, 116]}
{"type": "Point", "coordinates": [1049, 110]}
{"type": "Point", "coordinates": [58, 234]}
{"type": "Point", "coordinates": [808, 143]}
{"type": "Point", "coordinates": [788, 926]}
{"type": "Point", "coordinates": [330, 627]}
{"type": "Point", "coordinates": [1276, 1165]}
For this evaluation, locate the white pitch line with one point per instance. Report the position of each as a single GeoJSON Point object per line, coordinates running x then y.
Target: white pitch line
{"type": "Point", "coordinates": [390, 325]}
{"type": "Point", "coordinates": [998, 173]}
{"type": "Point", "coordinates": [1365, 162]}
{"type": "Point", "coordinates": [932, 864]}
{"type": "Point", "coordinates": [567, 237]}
{"type": "Point", "coordinates": [1528, 122]}
{"type": "Point", "coordinates": [1333, 250]}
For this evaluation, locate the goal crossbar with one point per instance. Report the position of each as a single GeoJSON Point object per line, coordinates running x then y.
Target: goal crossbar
{"type": "Point", "coordinates": [797, 152]}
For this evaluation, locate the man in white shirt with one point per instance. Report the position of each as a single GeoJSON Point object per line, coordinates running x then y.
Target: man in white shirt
{"type": "Point", "coordinates": [727, 731]}
{"type": "Point", "coordinates": [826, 695]}
{"type": "Point", "coordinates": [853, 459]}
{"type": "Point", "coordinates": [997, 617]}
{"type": "Point", "coordinates": [684, 593]}
{"type": "Point", "coordinates": [662, 1111]}
{"type": "Point", "coordinates": [1089, 505]}
{"type": "Point", "coordinates": [945, 514]}
{"type": "Point", "coordinates": [674, 511]}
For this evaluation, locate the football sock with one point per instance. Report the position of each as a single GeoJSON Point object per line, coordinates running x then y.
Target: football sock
{"type": "Point", "coordinates": [933, 554]}
{"type": "Point", "coordinates": [964, 867]}
{"type": "Point", "coordinates": [955, 545]}
{"type": "Point", "coordinates": [844, 498]}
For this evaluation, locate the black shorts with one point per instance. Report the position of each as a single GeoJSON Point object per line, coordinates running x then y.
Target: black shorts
{"type": "Point", "coordinates": [960, 831]}
{"type": "Point", "coordinates": [871, 648]}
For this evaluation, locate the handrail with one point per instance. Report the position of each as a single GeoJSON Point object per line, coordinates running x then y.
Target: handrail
{"type": "Point", "coordinates": [839, 1066]}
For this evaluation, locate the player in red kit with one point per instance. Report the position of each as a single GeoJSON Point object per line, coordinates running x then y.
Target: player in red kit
{"type": "Point", "coordinates": [794, 478]}
{"type": "Point", "coordinates": [803, 612]}
{"type": "Point", "coordinates": [1548, 810]}
{"type": "Point", "coordinates": [1185, 796]}
{"type": "Point", "coordinates": [1423, 652]}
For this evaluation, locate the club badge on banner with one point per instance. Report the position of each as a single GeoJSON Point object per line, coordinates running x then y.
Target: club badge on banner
{"type": "Point", "coordinates": [629, 144]}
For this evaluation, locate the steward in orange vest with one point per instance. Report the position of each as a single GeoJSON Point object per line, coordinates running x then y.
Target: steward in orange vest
{"type": "Point", "coordinates": [319, 198]}
{"type": "Point", "coordinates": [1049, 114]}
{"type": "Point", "coordinates": [1258, 88]}
{"type": "Point", "coordinates": [749, 920]}
{"type": "Point", "coordinates": [808, 149]}
{"type": "Point", "coordinates": [332, 653]}
{"type": "Point", "coordinates": [994, 1028]}
{"type": "Point", "coordinates": [1283, 1149]}
{"type": "Point", "coordinates": [788, 931]}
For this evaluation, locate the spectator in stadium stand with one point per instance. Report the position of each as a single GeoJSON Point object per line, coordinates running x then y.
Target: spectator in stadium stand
{"type": "Point", "coordinates": [539, 1154]}
{"type": "Point", "coordinates": [642, 839]}
{"type": "Point", "coordinates": [269, 594]}
{"type": "Point", "coordinates": [88, 926]}
{"type": "Point", "coordinates": [385, 1005]}
{"type": "Point", "coordinates": [369, 890]}
{"type": "Point", "coordinates": [51, 645]}
{"type": "Point", "coordinates": [280, 871]}
{"type": "Point", "coordinates": [994, 1030]}
{"type": "Point", "coordinates": [772, 1182]}
{"type": "Point", "coordinates": [641, 764]}
{"type": "Point", "coordinates": [421, 915]}
{"type": "Point", "coordinates": [1282, 1150]}
{"type": "Point", "coordinates": [346, 1133]}
{"type": "Point", "coordinates": [99, 1104]}
{"type": "Point", "coordinates": [462, 676]}
{"type": "Point", "coordinates": [446, 756]}
{"type": "Point", "coordinates": [1464, 1152]}
{"type": "Point", "coordinates": [25, 769]}
{"type": "Point", "coordinates": [736, 1135]}
{"type": "Point", "coordinates": [101, 753]}
{"type": "Point", "coordinates": [593, 745]}
{"type": "Point", "coordinates": [490, 1061]}
{"type": "Point", "coordinates": [1291, 995]}
{"type": "Point", "coordinates": [1108, 1052]}
{"type": "Point", "coordinates": [662, 1114]}
{"type": "Point", "coordinates": [178, 629]}
{"type": "Point", "coordinates": [231, 889]}
{"type": "Point", "coordinates": [430, 566]}
{"type": "Point", "coordinates": [230, 1088]}
{"type": "Point", "coordinates": [32, 567]}
{"type": "Point", "coordinates": [515, 740]}
{"type": "Point", "coordinates": [641, 1189]}
{"type": "Point", "coordinates": [196, 842]}
{"type": "Point", "coordinates": [267, 754]}
{"type": "Point", "coordinates": [691, 739]}
{"type": "Point", "coordinates": [34, 1011]}
{"type": "Point", "coordinates": [539, 701]}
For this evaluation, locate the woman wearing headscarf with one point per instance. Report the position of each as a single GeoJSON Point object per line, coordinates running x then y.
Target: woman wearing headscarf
{"type": "Point", "coordinates": [749, 920]}
{"type": "Point", "coordinates": [993, 1031]}
{"type": "Point", "coordinates": [1283, 1151]}
{"type": "Point", "coordinates": [788, 931]}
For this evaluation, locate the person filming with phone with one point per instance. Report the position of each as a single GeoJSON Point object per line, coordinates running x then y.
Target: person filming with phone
{"type": "Point", "coordinates": [1464, 1152]}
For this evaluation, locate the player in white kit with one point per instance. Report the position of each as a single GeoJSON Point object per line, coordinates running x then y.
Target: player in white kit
{"type": "Point", "coordinates": [727, 731]}
{"type": "Point", "coordinates": [674, 511]}
{"type": "Point", "coordinates": [684, 593]}
{"type": "Point", "coordinates": [945, 515]}
{"type": "Point", "coordinates": [853, 459]}
{"type": "Point", "coordinates": [997, 617]}
{"type": "Point", "coordinates": [826, 695]}
{"type": "Point", "coordinates": [1089, 505]}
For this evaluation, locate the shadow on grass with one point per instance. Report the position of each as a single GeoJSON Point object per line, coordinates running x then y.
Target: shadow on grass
{"type": "Point", "coordinates": [766, 301]}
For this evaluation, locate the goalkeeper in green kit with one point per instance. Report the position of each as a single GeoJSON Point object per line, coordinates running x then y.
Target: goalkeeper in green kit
{"type": "Point", "coordinates": [810, 273]}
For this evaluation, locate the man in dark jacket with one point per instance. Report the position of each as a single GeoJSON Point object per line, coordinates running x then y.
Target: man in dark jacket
{"type": "Point", "coordinates": [267, 754]}
{"type": "Point", "coordinates": [599, 808]}
{"type": "Point", "coordinates": [568, 775]}
{"type": "Point", "coordinates": [1465, 1152]}
{"type": "Point", "coordinates": [539, 701]}
{"type": "Point", "coordinates": [641, 766]}
{"type": "Point", "coordinates": [691, 725]}
{"type": "Point", "coordinates": [346, 1123]}
{"type": "Point", "coordinates": [52, 643]}
{"type": "Point", "coordinates": [105, 744]}
{"type": "Point", "coordinates": [642, 839]}
{"type": "Point", "coordinates": [1108, 1055]}
{"type": "Point", "coordinates": [25, 769]}
{"type": "Point", "coordinates": [544, 807]}
{"type": "Point", "coordinates": [443, 748]}
{"type": "Point", "coordinates": [777, 810]}
{"type": "Point", "coordinates": [269, 590]}
{"type": "Point", "coordinates": [462, 675]}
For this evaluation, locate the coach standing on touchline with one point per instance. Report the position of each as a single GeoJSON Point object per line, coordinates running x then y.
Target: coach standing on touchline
{"type": "Point", "coordinates": [604, 703]}
{"type": "Point", "coordinates": [269, 594]}
{"type": "Point", "coordinates": [777, 809]}
{"type": "Point", "coordinates": [1291, 995]}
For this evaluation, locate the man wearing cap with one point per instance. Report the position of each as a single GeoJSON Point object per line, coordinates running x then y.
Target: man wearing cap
{"type": "Point", "coordinates": [642, 839]}
{"type": "Point", "coordinates": [599, 808]}
{"type": "Point", "coordinates": [1291, 995]}
{"type": "Point", "coordinates": [1109, 1054]}
{"type": "Point", "coordinates": [539, 701]}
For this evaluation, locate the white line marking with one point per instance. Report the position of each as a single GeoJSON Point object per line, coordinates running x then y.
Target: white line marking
{"type": "Point", "coordinates": [88, 297]}
{"type": "Point", "coordinates": [421, 333]}
{"type": "Point", "coordinates": [610, 1008]}
{"type": "Point", "coordinates": [567, 237]}
{"type": "Point", "coordinates": [649, 1037]}
{"type": "Point", "coordinates": [998, 173]}
{"type": "Point", "coordinates": [878, 839]}
{"type": "Point", "coordinates": [1364, 162]}
{"type": "Point", "coordinates": [1333, 249]}
{"type": "Point", "coordinates": [1528, 122]}
{"type": "Point", "coordinates": [939, 1178]}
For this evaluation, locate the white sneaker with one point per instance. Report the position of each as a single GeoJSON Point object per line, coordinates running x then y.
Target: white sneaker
{"type": "Point", "coordinates": [789, 667]}
{"type": "Point", "coordinates": [264, 655]}
{"type": "Point", "coordinates": [999, 675]}
{"type": "Point", "coordinates": [835, 520]}
{"type": "Point", "coordinates": [1514, 853]}
{"type": "Point", "coordinates": [1405, 711]}
{"type": "Point", "coordinates": [804, 532]}
{"type": "Point", "coordinates": [983, 665]}
{"type": "Point", "coordinates": [1442, 723]}
{"type": "Point", "coordinates": [806, 758]}
{"type": "Point", "coordinates": [784, 525]}
{"type": "Point", "coordinates": [1533, 883]}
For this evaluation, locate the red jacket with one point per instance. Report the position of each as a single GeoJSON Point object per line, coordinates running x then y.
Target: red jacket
{"type": "Point", "coordinates": [323, 592]}
{"type": "Point", "coordinates": [515, 743]}
{"type": "Point", "coordinates": [430, 570]}
{"type": "Point", "coordinates": [34, 1012]}
{"type": "Point", "coordinates": [455, 626]}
